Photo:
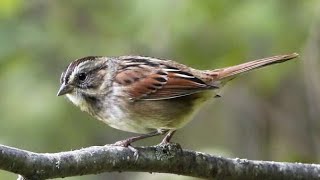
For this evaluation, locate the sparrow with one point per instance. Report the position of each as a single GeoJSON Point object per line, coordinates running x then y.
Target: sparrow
{"type": "Point", "coordinates": [146, 95]}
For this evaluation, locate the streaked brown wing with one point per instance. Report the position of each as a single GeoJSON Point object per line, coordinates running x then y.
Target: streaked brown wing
{"type": "Point", "coordinates": [156, 81]}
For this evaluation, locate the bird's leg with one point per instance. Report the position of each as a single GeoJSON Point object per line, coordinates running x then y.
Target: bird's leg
{"type": "Point", "coordinates": [167, 138]}
{"type": "Point", "coordinates": [127, 142]}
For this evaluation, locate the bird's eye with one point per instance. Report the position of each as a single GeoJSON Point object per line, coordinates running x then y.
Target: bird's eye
{"type": "Point", "coordinates": [82, 76]}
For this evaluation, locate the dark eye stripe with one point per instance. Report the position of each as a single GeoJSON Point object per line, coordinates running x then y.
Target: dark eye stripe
{"type": "Point", "coordinates": [68, 71]}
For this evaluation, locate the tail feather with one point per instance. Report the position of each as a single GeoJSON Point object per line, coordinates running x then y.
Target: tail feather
{"type": "Point", "coordinates": [228, 73]}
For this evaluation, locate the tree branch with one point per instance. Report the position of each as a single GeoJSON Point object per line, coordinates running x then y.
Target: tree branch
{"type": "Point", "coordinates": [163, 159]}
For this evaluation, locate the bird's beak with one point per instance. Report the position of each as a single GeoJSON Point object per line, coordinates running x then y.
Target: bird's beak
{"type": "Point", "coordinates": [64, 89]}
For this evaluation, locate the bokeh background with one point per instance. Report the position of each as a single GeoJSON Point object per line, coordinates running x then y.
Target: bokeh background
{"type": "Point", "coordinates": [270, 114]}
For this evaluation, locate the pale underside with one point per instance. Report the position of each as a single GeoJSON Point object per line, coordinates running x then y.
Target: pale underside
{"type": "Point", "coordinates": [144, 116]}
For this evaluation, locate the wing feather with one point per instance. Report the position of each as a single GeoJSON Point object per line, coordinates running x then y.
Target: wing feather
{"type": "Point", "coordinates": [144, 79]}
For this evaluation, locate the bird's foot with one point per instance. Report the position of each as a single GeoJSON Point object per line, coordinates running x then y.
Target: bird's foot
{"type": "Point", "coordinates": [122, 143]}
{"type": "Point", "coordinates": [167, 138]}
{"type": "Point", "coordinates": [127, 144]}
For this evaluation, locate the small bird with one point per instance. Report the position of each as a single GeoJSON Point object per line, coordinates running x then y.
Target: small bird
{"type": "Point", "coordinates": [146, 95]}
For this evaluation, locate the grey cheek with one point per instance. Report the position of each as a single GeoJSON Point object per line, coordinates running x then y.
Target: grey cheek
{"type": "Point", "coordinates": [95, 83]}
{"type": "Point", "coordinates": [90, 84]}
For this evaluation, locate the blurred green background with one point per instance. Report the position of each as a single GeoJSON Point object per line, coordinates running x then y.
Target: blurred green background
{"type": "Point", "coordinates": [270, 114]}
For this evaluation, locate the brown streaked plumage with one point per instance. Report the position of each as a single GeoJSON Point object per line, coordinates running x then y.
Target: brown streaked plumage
{"type": "Point", "coordinates": [146, 95]}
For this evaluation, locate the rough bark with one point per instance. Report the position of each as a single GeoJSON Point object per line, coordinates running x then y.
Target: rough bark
{"type": "Point", "coordinates": [162, 159]}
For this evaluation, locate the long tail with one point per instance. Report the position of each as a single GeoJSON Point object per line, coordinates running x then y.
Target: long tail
{"type": "Point", "coordinates": [225, 74]}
